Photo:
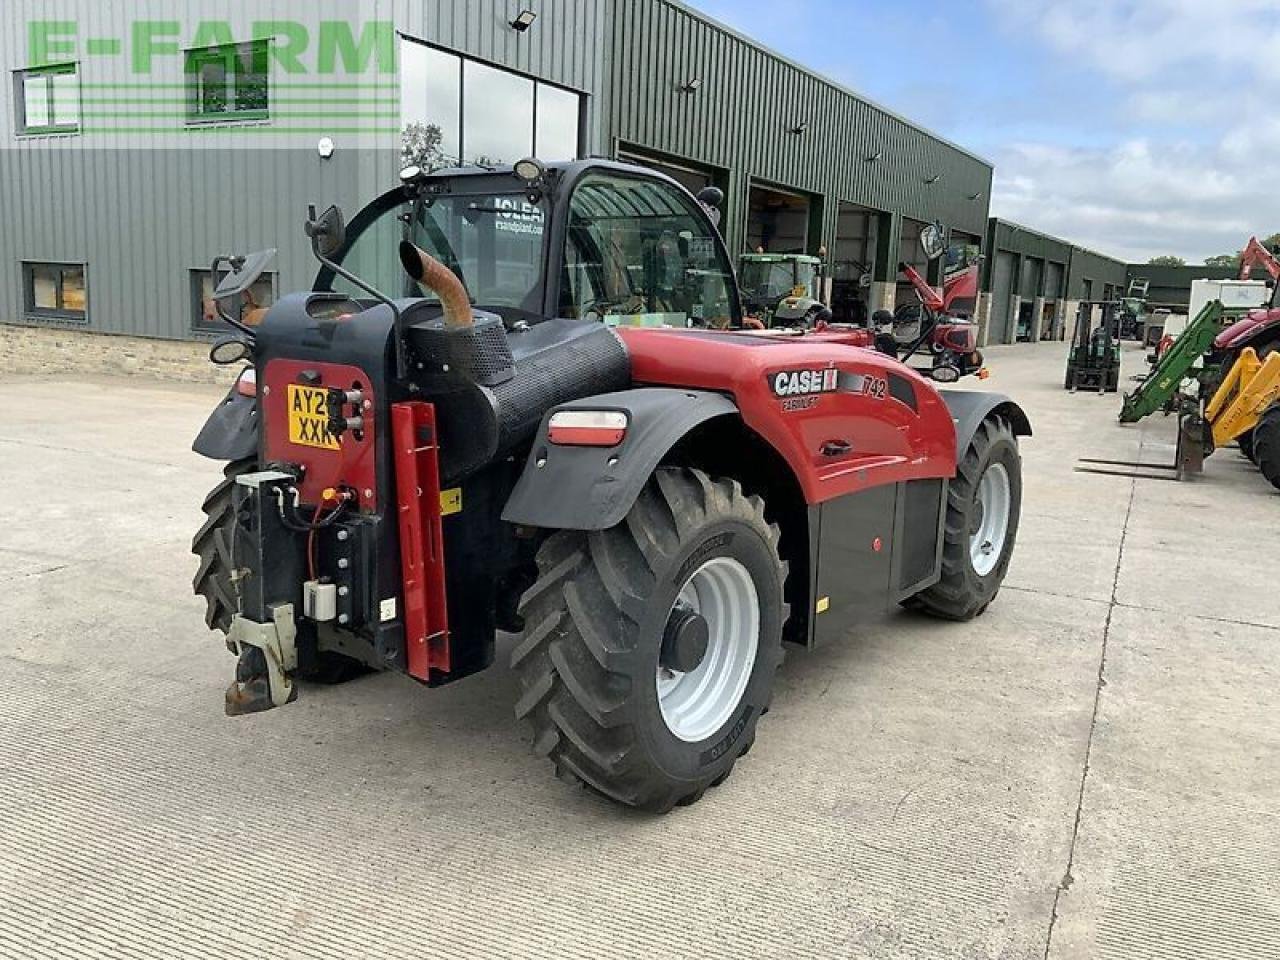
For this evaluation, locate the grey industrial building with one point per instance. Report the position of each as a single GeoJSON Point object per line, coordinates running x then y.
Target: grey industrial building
{"type": "Point", "coordinates": [1032, 283]}
{"type": "Point", "coordinates": [114, 208]}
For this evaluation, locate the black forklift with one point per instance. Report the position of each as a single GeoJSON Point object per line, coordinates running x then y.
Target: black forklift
{"type": "Point", "coordinates": [1094, 360]}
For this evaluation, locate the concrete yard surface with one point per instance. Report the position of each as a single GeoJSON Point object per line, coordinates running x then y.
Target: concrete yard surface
{"type": "Point", "coordinates": [1090, 770]}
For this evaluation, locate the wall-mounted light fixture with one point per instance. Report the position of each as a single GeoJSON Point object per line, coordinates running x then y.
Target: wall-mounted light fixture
{"type": "Point", "coordinates": [873, 157]}
{"type": "Point", "coordinates": [934, 179]}
{"type": "Point", "coordinates": [801, 128]}
{"type": "Point", "coordinates": [325, 148]}
{"type": "Point", "coordinates": [692, 85]}
{"type": "Point", "coordinates": [976, 196]}
{"type": "Point", "coordinates": [524, 21]}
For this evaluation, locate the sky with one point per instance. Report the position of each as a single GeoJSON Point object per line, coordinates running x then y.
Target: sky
{"type": "Point", "coordinates": [1132, 127]}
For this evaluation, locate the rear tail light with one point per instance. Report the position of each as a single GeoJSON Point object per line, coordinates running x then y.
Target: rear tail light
{"type": "Point", "coordinates": [587, 428]}
{"type": "Point", "coordinates": [247, 385]}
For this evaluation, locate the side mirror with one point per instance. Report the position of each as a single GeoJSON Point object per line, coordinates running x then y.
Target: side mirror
{"type": "Point", "coordinates": [228, 350]}
{"type": "Point", "coordinates": [242, 273]}
{"type": "Point", "coordinates": [328, 232]}
{"type": "Point", "coordinates": [711, 197]}
{"type": "Point", "coordinates": [932, 242]}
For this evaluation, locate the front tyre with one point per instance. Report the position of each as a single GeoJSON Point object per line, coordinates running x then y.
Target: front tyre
{"type": "Point", "coordinates": [650, 649]}
{"type": "Point", "coordinates": [984, 502]}
{"type": "Point", "coordinates": [1266, 445]}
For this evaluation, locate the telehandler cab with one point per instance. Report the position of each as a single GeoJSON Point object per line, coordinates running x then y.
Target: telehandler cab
{"type": "Point", "coordinates": [522, 399]}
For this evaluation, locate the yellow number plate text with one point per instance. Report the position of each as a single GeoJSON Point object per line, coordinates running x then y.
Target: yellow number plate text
{"type": "Point", "coordinates": [309, 417]}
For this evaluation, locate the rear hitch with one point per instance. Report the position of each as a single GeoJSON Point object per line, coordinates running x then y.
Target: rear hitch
{"type": "Point", "coordinates": [268, 654]}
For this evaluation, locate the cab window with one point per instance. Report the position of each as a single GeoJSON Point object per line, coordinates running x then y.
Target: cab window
{"type": "Point", "coordinates": [639, 253]}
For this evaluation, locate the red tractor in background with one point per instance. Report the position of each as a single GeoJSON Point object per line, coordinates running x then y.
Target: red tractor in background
{"type": "Point", "coordinates": [523, 399]}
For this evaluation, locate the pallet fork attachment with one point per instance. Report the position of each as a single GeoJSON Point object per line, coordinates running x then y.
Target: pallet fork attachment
{"type": "Point", "coordinates": [1195, 442]}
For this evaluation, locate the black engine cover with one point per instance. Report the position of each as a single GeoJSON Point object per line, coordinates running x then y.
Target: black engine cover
{"type": "Point", "coordinates": [550, 363]}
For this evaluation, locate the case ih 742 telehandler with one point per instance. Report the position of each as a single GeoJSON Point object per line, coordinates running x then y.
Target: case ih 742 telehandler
{"type": "Point", "coordinates": [561, 430]}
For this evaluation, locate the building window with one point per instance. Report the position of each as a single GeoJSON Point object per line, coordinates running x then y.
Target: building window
{"type": "Point", "coordinates": [228, 83]}
{"type": "Point", "coordinates": [460, 111]}
{"type": "Point", "coordinates": [55, 291]}
{"type": "Point", "coordinates": [48, 99]}
{"type": "Point", "coordinates": [252, 307]}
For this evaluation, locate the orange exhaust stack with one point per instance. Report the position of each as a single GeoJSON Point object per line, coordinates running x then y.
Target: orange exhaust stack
{"type": "Point", "coordinates": [435, 276]}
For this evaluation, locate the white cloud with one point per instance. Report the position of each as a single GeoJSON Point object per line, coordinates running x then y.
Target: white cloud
{"type": "Point", "coordinates": [1198, 88]}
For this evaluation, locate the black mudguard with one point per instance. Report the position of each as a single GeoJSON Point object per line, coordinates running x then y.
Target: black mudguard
{"type": "Point", "coordinates": [593, 488]}
{"type": "Point", "coordinates": [231, 432]}
{"type": "Point", "coordinates": [970, 407]}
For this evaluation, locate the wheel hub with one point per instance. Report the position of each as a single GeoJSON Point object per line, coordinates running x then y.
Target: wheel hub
{"type": "Point", "coordinates": [685, 640]}
{"type": "Point", "coordinates": [708, 652]}
{"type": "Point", "coordinates": [989, 526]}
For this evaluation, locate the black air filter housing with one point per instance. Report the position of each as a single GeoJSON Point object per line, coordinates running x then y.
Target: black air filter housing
{"type": "Point", "coordinates": [478, 353]}
{"type": "Point", "coordinates": [485, 411]}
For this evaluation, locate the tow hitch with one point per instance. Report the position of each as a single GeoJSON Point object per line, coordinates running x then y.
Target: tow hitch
{"type": "Point", "coordinates": [268, 654]}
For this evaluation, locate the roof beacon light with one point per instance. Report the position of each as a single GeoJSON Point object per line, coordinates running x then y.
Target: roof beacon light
{"type": "Point", "coordinates": [587, 428]}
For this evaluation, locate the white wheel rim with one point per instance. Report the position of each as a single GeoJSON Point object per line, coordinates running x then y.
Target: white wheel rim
{"type": "Point", "coordinates": [696, 704]}
{"type": "Point", "coordinates": [994, 498]}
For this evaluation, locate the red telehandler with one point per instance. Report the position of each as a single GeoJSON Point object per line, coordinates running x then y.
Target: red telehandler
{"type": "Point", "coordinates": [523, 399]}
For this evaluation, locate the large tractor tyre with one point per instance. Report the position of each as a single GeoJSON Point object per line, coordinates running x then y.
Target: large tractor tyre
{"type": "Point", "coordinates": [212, 544]}
{"type": "Point", "coordinates": [984, 503]}
{"type": "Point", "coordinates": [1266, 445]}
{"type": "Point", "coordinates": [650, 648]}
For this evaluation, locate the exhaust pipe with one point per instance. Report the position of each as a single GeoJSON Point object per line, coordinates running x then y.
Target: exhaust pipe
{"type": "Point", "coordinates": [435, 276]}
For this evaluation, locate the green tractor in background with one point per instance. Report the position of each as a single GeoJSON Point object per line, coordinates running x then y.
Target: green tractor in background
{"type": "Point", "coordinates": [783, 289]}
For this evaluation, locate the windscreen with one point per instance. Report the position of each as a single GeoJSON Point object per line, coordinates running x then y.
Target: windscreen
{"type": "Point", "coordinates": [492, 241]}
{"type": "Point", "coordinates": [807, 277]}
{"type": "Point", "coordinates": [767, 278]}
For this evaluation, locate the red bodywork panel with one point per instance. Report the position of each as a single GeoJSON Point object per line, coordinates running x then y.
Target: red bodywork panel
{"type": "Point", "coordinates": [961, 337]}
{"type": "Point", "coordinates": [839, 333]}
{"type": "Point", "coordinates": [1254, 321]}
{"type": "Point", "coordinates": [960, 286]}
{"type": "Point", "coordinates": [352, 465]}
{"type": "Point", "coordinates": [888, 441]}
{"type": "Point", "coordinates": [417, 460]}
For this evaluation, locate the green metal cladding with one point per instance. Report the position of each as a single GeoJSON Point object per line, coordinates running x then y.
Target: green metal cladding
{"type": "Point", "coordinates": [742, 117]}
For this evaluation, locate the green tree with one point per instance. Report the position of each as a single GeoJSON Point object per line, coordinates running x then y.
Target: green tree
{"type": "Point", "coordinates": [1233, 259]}
{"type": "Point", "coordinates": [1167, 260]}
{"type": "Point", "coordinates": [1223, 260]}
{"type": "Point", "coordinates": [420, 146]}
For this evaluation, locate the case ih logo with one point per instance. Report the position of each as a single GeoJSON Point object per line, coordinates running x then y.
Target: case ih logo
{"type": "Point", "coordinates": [802, 383]}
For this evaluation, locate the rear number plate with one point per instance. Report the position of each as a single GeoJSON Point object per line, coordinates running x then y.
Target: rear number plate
{"type": "Point", "coordinates": [309, 417]}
